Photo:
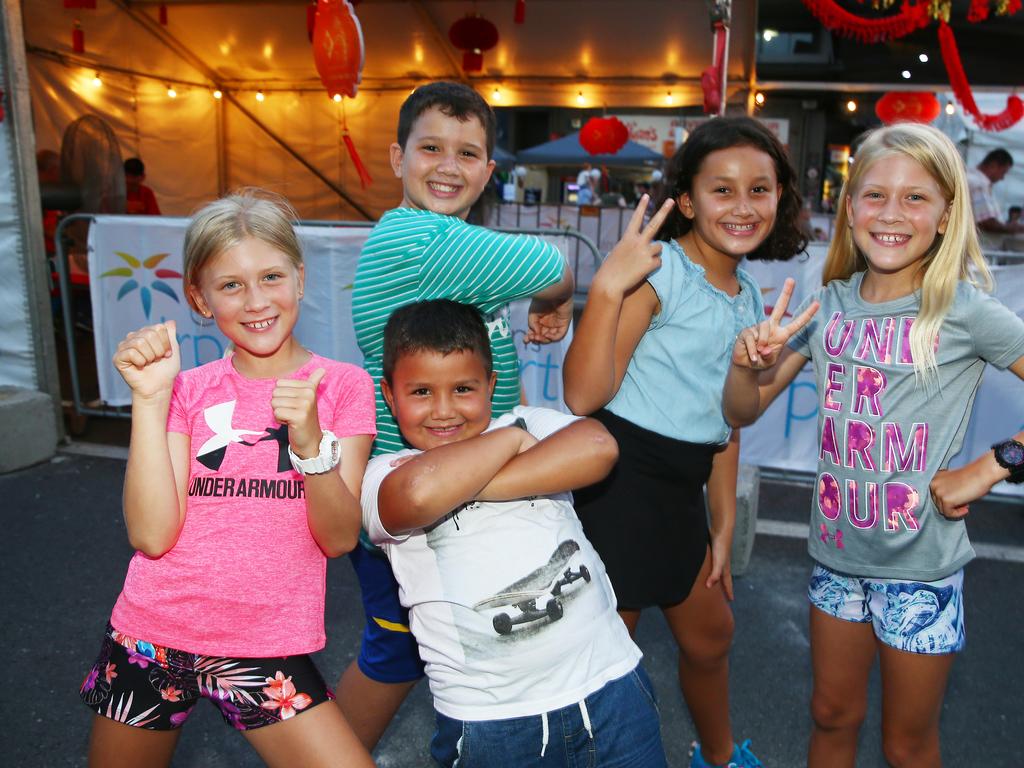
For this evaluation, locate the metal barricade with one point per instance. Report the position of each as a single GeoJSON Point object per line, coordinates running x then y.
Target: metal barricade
{"type": "Point", "coordinates": [80, 408]}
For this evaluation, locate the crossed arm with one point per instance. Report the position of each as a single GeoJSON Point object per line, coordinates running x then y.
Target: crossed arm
{"type": "Point", "coordinates": [499, 465]}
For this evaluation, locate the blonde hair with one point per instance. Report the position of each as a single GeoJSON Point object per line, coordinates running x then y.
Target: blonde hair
{"type": "Point", "coordinates": [222, 224]}
{"type": "Point", "coordinates": [953, 256]}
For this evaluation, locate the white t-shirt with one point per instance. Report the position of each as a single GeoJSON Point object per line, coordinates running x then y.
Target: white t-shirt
{"type": "Point", "coordinates": [509, 603]}
{"type": "Point", "coordinates": [984, 206]}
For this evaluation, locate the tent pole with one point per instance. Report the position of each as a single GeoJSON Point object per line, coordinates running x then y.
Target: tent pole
{"type": "Point", "coordinates": [222, 148]}
{"type": "Point", "coordinates": [184, 53]}
{"type": "Point", "coordinates": [441, 40]}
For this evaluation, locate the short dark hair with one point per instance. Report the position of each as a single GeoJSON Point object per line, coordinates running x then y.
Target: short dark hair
{"type": "Point", "coordinates": [1015, 209]}
{"type": "Point", "coordinates": [998, 157]}
{"type": "Point", "coordinates": [453, 99]}
{"type": "Point", "coordinates": [439, 325]}
{"type": "Point", "coordinates": [133, 166]}
{"type": "Point", "coordinates": [786, 238]}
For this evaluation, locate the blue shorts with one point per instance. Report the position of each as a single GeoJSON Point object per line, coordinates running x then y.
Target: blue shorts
{"type": "Point", "coordinates": [616, 725]}
{"type": "Point", "coordinates": [388, 653]}
{"type": "Point", "coordinates": [914, 616]}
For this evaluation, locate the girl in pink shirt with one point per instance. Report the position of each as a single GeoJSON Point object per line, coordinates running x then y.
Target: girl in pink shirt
{"type": "Point", "coordinates": [243, 474]}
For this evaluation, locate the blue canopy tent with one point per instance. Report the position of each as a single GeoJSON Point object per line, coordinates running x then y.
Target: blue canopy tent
{"type": "Point", "coordinates": [503, 159]}
{"type": "Point", "coordinates": [568, 151]}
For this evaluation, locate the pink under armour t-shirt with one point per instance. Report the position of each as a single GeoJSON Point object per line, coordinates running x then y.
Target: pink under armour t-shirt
{"type": "Point", "coordinates": [245, 577]}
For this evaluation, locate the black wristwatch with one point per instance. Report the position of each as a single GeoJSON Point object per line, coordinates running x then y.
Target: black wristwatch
{"type": "Point", "coordinates": [1010, 455]}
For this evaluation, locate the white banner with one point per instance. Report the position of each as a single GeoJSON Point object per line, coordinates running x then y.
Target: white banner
{"type": "Point", "coordinates": [135, 266]}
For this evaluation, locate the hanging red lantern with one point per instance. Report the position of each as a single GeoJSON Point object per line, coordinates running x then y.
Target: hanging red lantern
{"type": "Point", "coordinates": [310, 20]}
{"type": "Point", "coordinates": [77, 37]}
{"type": "Point", "coordinates": [604, 135]}
{"type": "Point", "coordinates": [473, 35]}
{"type": "Point", "coordinates": [338, 47]}
{"type": "Point", "coordinates": [520, 13]}
{"type": "Point", "coordinates": [907, 107]}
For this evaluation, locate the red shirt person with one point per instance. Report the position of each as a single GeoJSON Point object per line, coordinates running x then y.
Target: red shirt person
{"type": "Point", "coordinates": [139, 199]}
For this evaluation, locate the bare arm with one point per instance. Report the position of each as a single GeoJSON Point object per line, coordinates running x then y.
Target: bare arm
{"type": "Point", "coordinates": [619, 309]}
{"type": "Point", "coordinates": [576, 456]}
{"type": "Point", "coordinates": [435, 482]}
{"type": "Point", "coordinates": [954, 489]}
{"type": "Point", "coordinates": [722, 508]}
{"type": "Point", "coordinates": [157, 472]}
{"type": "Point", "coordinates": [332, 498]}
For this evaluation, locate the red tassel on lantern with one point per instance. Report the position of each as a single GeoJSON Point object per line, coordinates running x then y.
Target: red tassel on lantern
{"type": "Point", "coordinates": [711, 78]}
{"type": "Point", "coordinates": [520, 14]}
{"type": "Point", "coordinates": [364, 175]}
{"type": "Point", "coordinates": [473, 35]}
{"type": "Point", "coordinates": [962, 89]}
{"type": "Point", "coordinates": [163, 14]}
{"type": "Point", "coordinates": [77, 37]}
{"type": "Point", "coordinates": [911, 17]}
{"type": "Point", "coordinates": [338, 47]}
{"type": "Point", "coordinates": [310, 20]}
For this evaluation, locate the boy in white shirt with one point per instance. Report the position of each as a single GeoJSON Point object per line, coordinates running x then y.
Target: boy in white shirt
{"type": "Point", "coordinates": [528, 662]}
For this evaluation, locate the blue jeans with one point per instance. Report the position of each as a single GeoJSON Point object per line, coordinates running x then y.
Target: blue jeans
{"type": "Point", "coordinates": [623, 732]}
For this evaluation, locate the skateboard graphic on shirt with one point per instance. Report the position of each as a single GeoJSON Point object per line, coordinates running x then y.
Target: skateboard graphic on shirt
{"type": "Point", "coordinates": [538, 595]}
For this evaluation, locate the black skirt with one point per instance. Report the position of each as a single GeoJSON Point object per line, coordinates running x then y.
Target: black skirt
{"type": "Point", "coordinates": [647, 519]}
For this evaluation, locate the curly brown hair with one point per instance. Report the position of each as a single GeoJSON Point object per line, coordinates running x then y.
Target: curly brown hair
{"type": "Point", "coordinates": [786, 239]}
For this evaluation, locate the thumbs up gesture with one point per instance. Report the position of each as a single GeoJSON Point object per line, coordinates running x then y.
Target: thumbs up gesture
{"type": "Point", "coordinates": [294, 404]}
{"type": "Point", "coordinates": [149, 359]}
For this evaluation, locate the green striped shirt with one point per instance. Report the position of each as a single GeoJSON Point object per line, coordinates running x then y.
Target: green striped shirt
{"type": "Point", "coordinates": [414, 255]}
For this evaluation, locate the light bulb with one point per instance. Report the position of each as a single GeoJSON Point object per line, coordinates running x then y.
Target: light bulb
{"type": "Point", "coordinates": [581, 99]}
{"type": "Point", "coordinates": [259, 96]}
{"type": "Point", "coordinates": [759, 99]}
{"type": "Point", "coordinates": [851, 106]}
{"type": "Point", "coordinates": [171, 93]}
{"type": "Point", "coordinates": [96, 82]}
{"type": "Point", "coordinates": [337, 98]}
{"type": "Point", "coordinates": [217, 94]}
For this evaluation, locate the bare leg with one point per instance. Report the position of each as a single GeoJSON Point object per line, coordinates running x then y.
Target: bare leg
{"type": "Point", "coordinates": [913, 686]}
{"type": "Point", "coordinates": [842, 653]}
{"type": "Point", "coordinates": [702, 626]}
{"type": "Point", "coordinates": [369, 705]}
{"type": "Point", "coordinates": [317, 738]}
{"type": "Point", "coordinates": [116, 745]}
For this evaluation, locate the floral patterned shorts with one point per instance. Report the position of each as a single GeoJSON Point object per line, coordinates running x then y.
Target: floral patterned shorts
{"type": "Point", "coordinates": [152, 686]}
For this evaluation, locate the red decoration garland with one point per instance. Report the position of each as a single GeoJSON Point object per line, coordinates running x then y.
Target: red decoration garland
{"type": "Point", "coordinates": [520, 13]}
{"type": "Point", "coordinates": [978, 11]}
{"type": "Point", "coordinates": [962, 89]}
{"type": "Point", "coordinates": [911, 17]}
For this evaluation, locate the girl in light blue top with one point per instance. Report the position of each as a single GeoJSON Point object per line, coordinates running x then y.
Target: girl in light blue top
{"type": "Point", "coordinates": [649, 360]}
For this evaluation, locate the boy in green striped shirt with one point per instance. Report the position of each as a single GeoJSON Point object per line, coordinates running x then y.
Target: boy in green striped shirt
{"type": "Point", "coordinates": [425, 250]}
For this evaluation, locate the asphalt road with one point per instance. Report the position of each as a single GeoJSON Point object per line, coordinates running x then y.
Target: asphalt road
{"type": "Point", "coordinates": [66, 556]}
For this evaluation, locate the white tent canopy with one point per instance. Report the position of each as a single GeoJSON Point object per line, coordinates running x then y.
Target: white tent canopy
{"type": "Point", "coordinates": [616, 54]}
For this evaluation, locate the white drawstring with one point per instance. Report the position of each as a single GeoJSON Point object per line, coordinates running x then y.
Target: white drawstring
{"type": "Point", "coordinates": [586, 718]}
{"type": "Point", "coordinates": [544, 733]}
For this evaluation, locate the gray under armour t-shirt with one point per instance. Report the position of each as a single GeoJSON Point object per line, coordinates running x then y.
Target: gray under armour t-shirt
{"type": "Point", "coordinates": [884, 435]}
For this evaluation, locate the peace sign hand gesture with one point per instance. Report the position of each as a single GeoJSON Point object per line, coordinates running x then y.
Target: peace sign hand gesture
{"type": "Point", "coordinates": [758, 346]}
{"type": "Point", "coordinates": [636, 254]}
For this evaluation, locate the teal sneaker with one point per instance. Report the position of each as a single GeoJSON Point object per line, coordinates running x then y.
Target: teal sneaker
{"type": "Point", "coordinates": [742, 757]}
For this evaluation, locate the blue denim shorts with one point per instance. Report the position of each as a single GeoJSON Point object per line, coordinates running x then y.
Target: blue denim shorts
{"type": "Point", "coordinates": [615, 727]}
{"type": "Point", "coordinates": [913, 616]}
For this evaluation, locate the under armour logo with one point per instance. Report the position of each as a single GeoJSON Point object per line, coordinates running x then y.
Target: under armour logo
{"type": "Point", "coordinates": [218, 418]}
{"type": "Point", "coordinates": [499, 325]}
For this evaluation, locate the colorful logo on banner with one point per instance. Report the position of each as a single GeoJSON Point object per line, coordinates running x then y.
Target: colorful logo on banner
{"type": "Point", "coordinates": [144, 276]}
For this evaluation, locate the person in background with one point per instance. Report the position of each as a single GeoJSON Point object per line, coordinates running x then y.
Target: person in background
{"type": "Point", "coordinates": [139, 199]}
{"type": "Point", "coordinates": [1013, 215]}
{"type": "Point", "coordinates": [585, 182]}
{"type": "Point", "coordinates": [991, 229]}
{"type": "Point", "coordinates": [48, 166]}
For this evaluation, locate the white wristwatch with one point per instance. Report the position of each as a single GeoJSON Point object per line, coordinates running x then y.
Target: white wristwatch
{"type": "Point", "coordinates": [328, 458]}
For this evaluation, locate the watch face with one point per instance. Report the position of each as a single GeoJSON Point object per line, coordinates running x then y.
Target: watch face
{"type": "Point", "coordinates": [1012, 453]}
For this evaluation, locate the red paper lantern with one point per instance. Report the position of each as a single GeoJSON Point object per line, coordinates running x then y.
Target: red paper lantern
{"type": "Point", "coordinates": [604, 135]}
{"type": "Point", "coordinates": [338, 47]}
{"type": "Point", "coordinates": [907, 106]}
{"type": "Point", "coordinates": [77, 37]}
{"type": "Point", "coordinates": [473, 35]}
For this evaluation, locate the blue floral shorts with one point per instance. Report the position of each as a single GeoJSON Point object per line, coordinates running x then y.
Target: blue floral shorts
{"type": "Point", "coordinates": [913, 616]}
{"type": "Point", "coordinates": [152, 686]}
